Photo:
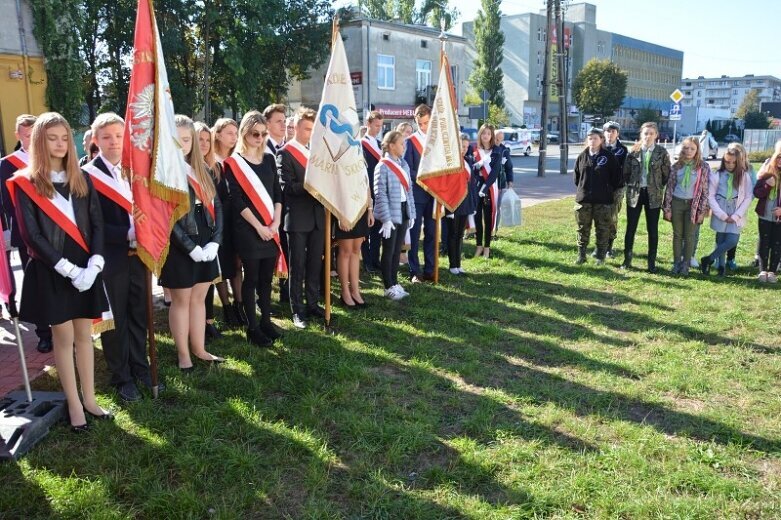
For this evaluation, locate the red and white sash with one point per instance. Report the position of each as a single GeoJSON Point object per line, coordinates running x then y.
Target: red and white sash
{"type": "Point", "coordinates": [198, 189]}
{"type": "Point", "coordinates": [493, 191]}
{"type": "Point", "coordinates": [58, 208]}
{"type": "Point", "coordinates": [370, 145]}
{"type": "Point", "coordinates": [299, 152]}
{"type": "Point", "coordinates": [417, 141]}
{"type": "Point", "coordinates": [260, 199]}
{"type": "Point", "coordinates": [398, 171]}
{"type": "Point", "coordinates": [111, 188]}
{"type": "Point", "coordinates": [19, 159]}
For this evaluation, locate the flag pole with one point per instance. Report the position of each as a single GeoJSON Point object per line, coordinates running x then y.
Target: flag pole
{"type": "Point", "coordinates": [150, 328]}
{"type": "Point", "coordinates": [327, 268]}
{"type": "Point", "coordinates": [22, 361]}
{"type": "Point", "coordinates": [437, 237]}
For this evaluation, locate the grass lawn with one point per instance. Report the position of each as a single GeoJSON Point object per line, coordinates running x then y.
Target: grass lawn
{"type": "Point", "coordinates": [531, 388]}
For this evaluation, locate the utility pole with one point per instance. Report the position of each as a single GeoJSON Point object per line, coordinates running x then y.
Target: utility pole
{"type": "Point", "coordinates": [561, 81]}
{"type": "Point", "coordinates": [544, 101]}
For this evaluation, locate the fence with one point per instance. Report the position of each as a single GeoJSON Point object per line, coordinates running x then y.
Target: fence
{"type": "Point", "coordinates": [760, 140]}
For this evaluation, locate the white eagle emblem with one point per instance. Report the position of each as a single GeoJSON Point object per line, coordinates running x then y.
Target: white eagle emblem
{"type": "Point", "coordinates": [143, 108]}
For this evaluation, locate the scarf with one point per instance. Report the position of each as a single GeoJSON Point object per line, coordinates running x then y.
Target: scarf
{"type": "Point", "coordinates": [730, 180]}
{"type": "Point", "coordinates": [647, 161]}
{"type": "Point", "coordinates": [687, 174]}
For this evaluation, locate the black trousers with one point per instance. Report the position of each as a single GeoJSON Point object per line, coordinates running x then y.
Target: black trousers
{"type": "Point", "coordinates": [391, 252]}
{"type": "Point", "coordinates": [769, 245]}
{"type": "Point", "coordinates": [125, 347]}
{"type": "Point", "coordinates": [651, 225]}
{"type": "Point", "coordinates": [306, 263]}
{"type": "Point", "coordinates": [42, 330]}
{"type": "Point", "coordinates": [484, 221]}
{"type": "Point", "coordinates": [258, 277]}
{"type": "Point", "coordinates": [370, 248]}
{"type": "Point", "coordinates": [455, 238]}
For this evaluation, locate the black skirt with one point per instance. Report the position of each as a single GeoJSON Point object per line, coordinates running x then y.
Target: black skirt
{"type": "Point", "coordinates": [49, 298]}
{"type": "Point", "coordinates": [360, 230]}
{"type": "Point", "coordinates": [179, 270]}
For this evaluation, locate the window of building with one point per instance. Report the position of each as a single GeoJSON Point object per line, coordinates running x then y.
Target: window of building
{"type": "Point", "coordinates": [386, 72]}
{"type": "Point", "coordinates": [423, 44]}
{"type": "Point", "coordinates": [539, 57]}
{"type": "Point", "coordinates": [423, 73]}
{"type": "Point", "coordinates": [386, 37]}
{"type": "Point", "coordinates": [700, 84]}
{"type": "Point", "coordinates": [454, 75]}
{"type": "Point", "coordinates": [539, 34]}
{"type": "Point", "coordinates": [734, 101]}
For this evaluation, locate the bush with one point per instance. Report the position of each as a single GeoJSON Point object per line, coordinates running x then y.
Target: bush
{"type": "Point", "coordinates": [760, 156]}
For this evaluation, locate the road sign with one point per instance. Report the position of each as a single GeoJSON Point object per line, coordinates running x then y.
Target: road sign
{"type": "Point", "coordinates": [675, 112]}
{"type": "Point", "coordinates": [676, 96]}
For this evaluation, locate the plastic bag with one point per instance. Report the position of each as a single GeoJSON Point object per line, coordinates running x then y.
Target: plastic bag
{"type": "Point", "coordinates": [511, 209]}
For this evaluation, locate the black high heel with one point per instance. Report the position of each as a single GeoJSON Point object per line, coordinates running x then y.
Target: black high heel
{"type": "Point", "coordinates": [81, 428]}
{"type": "Point", "coordinates": [106, 416]}
{"type": "Point", "coordinates": [350, 307]}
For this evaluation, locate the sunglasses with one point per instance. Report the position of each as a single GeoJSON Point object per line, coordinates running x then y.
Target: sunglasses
{"type": "Point", "coordinates": [257, 134]}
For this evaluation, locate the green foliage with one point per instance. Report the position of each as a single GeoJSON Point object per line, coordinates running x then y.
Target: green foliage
{"type": "Point", "coordinates": [430, 12]}
{"type": "Point", "coordinates": [647, 114]}
{"type": "Point", "coordinates": [760, 156]}
{"type": "Point", "coordinates": [54, 24]}
{"type": "Point", "coordinates": [489, 44]}
{"type": "Point", "coordinates": [749, 104]}
{"type": "Point", "coordinates": [599, 88]}
{"type": "Point", "coordinates": [756, 121]}
{"type": "Point", "coordinates": [498, 116]}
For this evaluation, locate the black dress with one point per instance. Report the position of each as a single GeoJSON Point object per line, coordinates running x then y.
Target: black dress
{"type": "Point", "coordinates": [48, 297]}
{"type": "Point", "coordinates": [360, 230]}
{"type": "Point", "coordinates": [226, 253]}
{"type": "Point", "coordinates": [247, 244]}
{"type": "Point", "coordinates": [179, 270]}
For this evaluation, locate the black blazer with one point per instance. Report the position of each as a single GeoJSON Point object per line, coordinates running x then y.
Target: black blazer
{"type": "Point", "coordinates": [185, 230]}
{"type": "Point", "coordinates": [371, 163]}
{"type": "Point", "coordinates": [45, 240]}
{"type": "Point", "coordinates": [7, 170]}
{"type": "Point", "coordinates": [302, 212]}
{"type": "Point", "coordinates": [116, 224]}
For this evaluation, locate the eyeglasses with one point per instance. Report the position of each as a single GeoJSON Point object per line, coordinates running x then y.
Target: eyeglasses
{"type": "Point", "coordinates": [257, 134]}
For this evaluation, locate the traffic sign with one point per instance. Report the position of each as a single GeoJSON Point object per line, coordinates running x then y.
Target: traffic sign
{"type": "Point", "coordinates": [676, 96]}
{"type": "Point", "coordinates": [675, 112]}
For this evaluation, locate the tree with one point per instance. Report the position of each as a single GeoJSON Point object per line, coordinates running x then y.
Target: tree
{"type": "Point", "coordinates": [647, 114]}
{"type": "Point", "coordinates": [599, 88]}
{"type": "Point", "coordinates": [55, 24]}
{"type": "Point", "coordinates": [749, 104]}
{"type": "Point", "coordinates": [756, 121]}
{"type": "Point", "coordinates": [489, 44]}
{"type": "Point", "coordinates": [498, 116]}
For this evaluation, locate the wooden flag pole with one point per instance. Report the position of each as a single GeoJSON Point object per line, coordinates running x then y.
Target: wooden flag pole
{"type": "Point", "coordinates": [327, 268]}
{"type": "Point", "coordinates": [437, 237]}
{"type": "Point", "coordinates": [150, 328]}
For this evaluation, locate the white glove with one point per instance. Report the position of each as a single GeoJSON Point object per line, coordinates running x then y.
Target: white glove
{"type": "Point", "coordinates": [97, 261]}
{"type": "Point", "coordinates": [450, 215]}
{"type": "Point", "coordinates": [67, 269]}
{"type": "Point", "coordinates": [210, 250]}
{"type": "Point", "coordinates": [504, 160]}
{"type": "Point", "coordinates": [411, 223]}
{"type": "Point", "coordinates": [481, 193]}
{"type": "Point", "coordinates": [479, 164]}
{"type": "Point", "coordinates": [197, 254]}
{"type": "Point", "coordinates": [86, 278]}
{"type": "Point", "coordinates": [131, 233]}
{"type": "Point", "coordinates": [386, 229]}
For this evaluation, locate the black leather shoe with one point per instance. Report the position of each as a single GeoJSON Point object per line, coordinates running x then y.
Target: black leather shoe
{"type": "Point", "coordinates": [106, 416]}
{"type": "Point", "coordinates": [45, 345]}
{"type": "Point", "coordinates": [241, 316]}
{"type": "Point", "coordinates": [128, 392]}
{"type": "Point", "coordinates": [705, 263]}
{"type": "Point", "coordinates": [212, 332]}
{"type": "Point", "coordinates": [299, 322]}
{"type": "Point", "coordinates": [256, 337]}
{"type": "Point", "coordinates": [317, 312]}
{"type": "Point", "coordinates": [270, 330]}
{"type": "Point", "coordinates": [82, 428]}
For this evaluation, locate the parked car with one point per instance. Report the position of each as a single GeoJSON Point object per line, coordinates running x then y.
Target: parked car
{"type": "Point", "coordinates": [518, 140]}
{"type": "Point", "coordinates": [731, 138]}
{"type": "Point", "coordinates": [553, 137]}
{"type": "Point", "coordinates": [713, 150]}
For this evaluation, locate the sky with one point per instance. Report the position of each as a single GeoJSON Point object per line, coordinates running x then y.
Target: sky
{"type": "Point", "coordinates": [716, 36]}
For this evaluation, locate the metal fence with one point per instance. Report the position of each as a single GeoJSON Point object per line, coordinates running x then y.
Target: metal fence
{"type": "Point", "coordinates": [760, 140]}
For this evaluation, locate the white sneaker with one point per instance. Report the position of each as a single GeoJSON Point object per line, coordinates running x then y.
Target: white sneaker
{"type": "Point", "coordinates": [694, 263]}
{"type": "Point", "coordinates": [455, 270]}
{"type": "Point", "coordinates": [772, 278]}
{"type": "Point", "coordinates": [461, 270]}
{"type": "Point", "coordinates": [762, 278]}
{"type": "Point", "coordinates": [393, 293]}
{"type": "Point", "coordinates": [401, 291]}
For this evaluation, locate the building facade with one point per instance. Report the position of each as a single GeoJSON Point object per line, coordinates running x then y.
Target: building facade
{"type": "Point", "coordinates": [654, 71]}
{"type": "Point", "coordinates": [717, 99]}
{"type": "Point", "coordinates": [22, 74]}
{"type": "Point", "coordinates": [394, 67]}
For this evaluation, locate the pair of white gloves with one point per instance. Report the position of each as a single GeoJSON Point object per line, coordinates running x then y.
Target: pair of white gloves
{"type": "Point", "coordinates": [206, 253]}
{"type": "Point", "coordinates": [388, 227]}
{"type": "Point", "coordinates": [82, 278]}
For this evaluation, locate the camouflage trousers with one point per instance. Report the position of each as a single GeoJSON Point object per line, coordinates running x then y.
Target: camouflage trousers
{"type": "Point", "coordinates": [618, 199]}
{"type": "Point", "coordinates": [601, 215]}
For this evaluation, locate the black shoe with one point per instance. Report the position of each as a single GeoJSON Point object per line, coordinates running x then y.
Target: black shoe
{"type": "Point", "coordinates": [652, 268]}
{"type": "Point", "coordinates": [256, 337]}
{"type": "Point", "coordinates": [594, 253]}
{"type": "Point", "coordinates": [241, 316]}
{"type": "Point", "coordinates": [229, 317]}
{"type": "Point", "coordinates": [187, 370]}
{"type": "Point", "coordinates": [270, 330]}
{"type": "Point", "coordinates": [705, 263]}
{"type": "Point", "coordinates": [82, 428]}
{"type": "Point", "coordinates": [299, 322]}
{"type": "Point", "coordinates": [581, 256]}
{"type": "Point", "coordinates": [128, 392]}
{"type": "Point", "coordinates": [722, 271]}
{"type": "Point", "coordinates": [106, 416]}
{"type": "Point", "coordinates": [45, 345]}
{"type": "Point", "coordinates": [347, 305]}
{"type": "Point", "coordinates": [212, 332]}
{"type": "Point", "coordinates": [317, 312]}
{"type": "Point", "coordinates": [627, 260]}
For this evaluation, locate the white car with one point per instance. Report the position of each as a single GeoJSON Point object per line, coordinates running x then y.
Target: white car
{"type": "Point", "coordinates": [517, 140]}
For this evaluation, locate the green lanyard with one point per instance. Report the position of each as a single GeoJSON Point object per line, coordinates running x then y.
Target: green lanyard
{"type": "Point", "coordinates": [729, 185]}
{"type": "Point", "coordinates": [647, 161]}
{"type": "Point", "coordinates": [687, 174]}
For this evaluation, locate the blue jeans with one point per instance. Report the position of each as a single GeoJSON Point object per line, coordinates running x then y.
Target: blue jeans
{"type": "Point", "coordinates": [724, 242]}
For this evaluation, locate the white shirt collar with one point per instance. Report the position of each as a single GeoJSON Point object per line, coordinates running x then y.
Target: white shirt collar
{"type": "Point", "coordinates": [115, 169]}
{"type": "Point", "coordinates": [59, 176]}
